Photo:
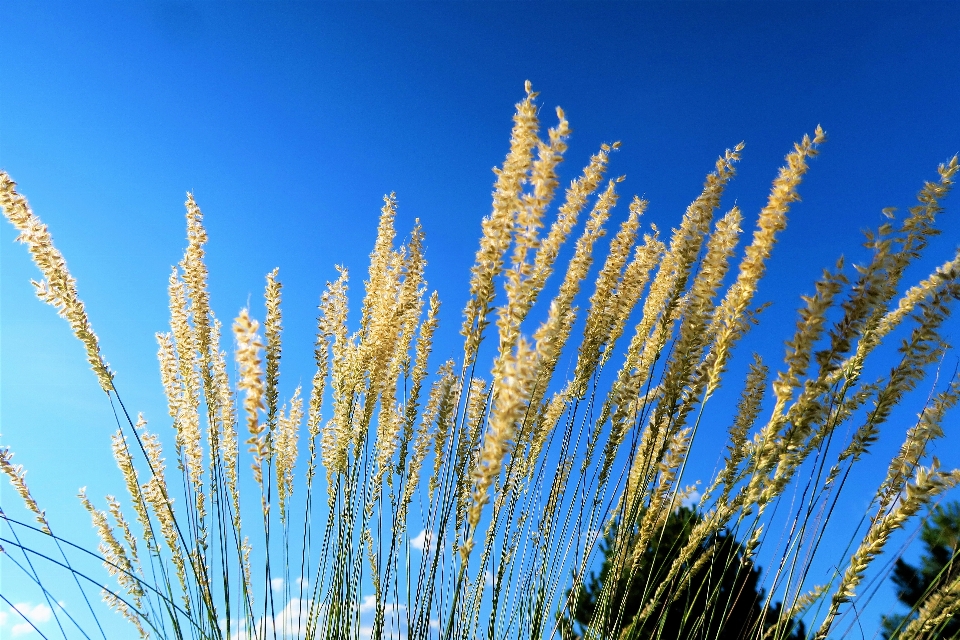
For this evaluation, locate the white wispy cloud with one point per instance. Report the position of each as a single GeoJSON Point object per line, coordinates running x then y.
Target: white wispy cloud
{"type": "Point", "coordinates": [421, 541]}
{"type": "Point", "coordinates": [692, 500]}
{"type": "Point", "coordinates": [291, 622]}
{"type": "Point", "coordinates": [368, 604]}
{"type": "Point", "coordinates": [35, 613]}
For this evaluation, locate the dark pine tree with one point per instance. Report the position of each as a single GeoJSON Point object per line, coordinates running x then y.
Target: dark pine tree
{"type": "Point", "coordinates": [939, 565]}
{"type": "Point", "coordinates": [722, 601]}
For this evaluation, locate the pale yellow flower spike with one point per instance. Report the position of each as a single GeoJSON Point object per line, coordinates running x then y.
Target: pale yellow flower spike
{"type": "Point", "coordinates": [155, 493]}
{"type": "Point", "coordinates": [391, 351]}
{"type": "Point", "coordinates": [121, 454]}
{"type": "Point", "coordinates": [183, 392]}
{"type": "Point", "coordinates": [131, 540]}
{"type": "Point", "coordinates": [469, 444]}
{"type": "Point", "coordinates": [251, 381]}
{"type": "Point", "coordinates": [168, 375]}
{"type": "Point", "coordinates": [379, 261]}
{"type": "Point", "coordinates": [405, 298]}
{"type": "Point", "coordinates": [314, 413]}
{"type": "Point", "coordinates": [445, 416]}
{"type": "Point", "coordinates": [553, 332]}
{"type": "Point", "coordinates": [748, 409]}
{"type": "Point", "coordinates": [549, 418]}
{"type": "Point", "coordinates": [918, 227]}
{"type": "Point", "coordinates": [335, 438]}
{"type": "Point", "coordinates": [498, 226]}
{"type": "Point", "coordinates": [410, 307]}
{"type": "Point", "coordinates": [422, 352]}
{"type": "Point", "coordinates": [438, 402]}
{"type": "Point", "coordinates": [271, 329]}
{"type": "Point", "coordinates": [246, 548]}
{"type": "Point", "coordinates": [227, 438]}
{"type": "Point", "coordinates": [115, 558]}
{"type": "Point", "coordinates": [288, 427]}
{"type": "Point", "coordinates": [729, 318]}
{"type": "Point", "coordinates": [377, 332]}
{"type": "Point", "coordinates": [684, 380]}
{"type": "Point", "coordinates": [379, 342]}
{"type": "Point", "coordinates": [543, 177]}
{"type": "Point", "coordinates": [675, 450]}
{"type": "Point", "coordinates": [521, 288]}
{"type": "Point", "coordinates": [927, 428]}
{"type": "Point", "coordinates": [926, 484]}
{"type": "Point", "coordinates": [421, 440]}
{"type": "Point", "coordinates": [17, 477]}
{"type": "Point", "coordinates": [114, 602]}
{"type": "Point", "coordinates": [195, 277]}
{"type": "Point", "coordinates": [936, 609]}
{"type": "Point", "coordinates": [800, 605]}
{"type": "Point", "coordinates": [601, 314]}
{"type": "Point", "coordinates": [58, 289]}
{"type": "Point", "coordinates": [577, 195]}
{"type": "Point", "coordinates": [682, 385]}
{"type": "Point", "coordinates": [949, 270]}
{"type": "Point", "coordinates": [660, 311]}
{"type": "Point", "coordinates": [663, 300]}
{"type": "Point", "coordinates": [631, 287]}
{"type": "Point", "coordinates": [513, 389]}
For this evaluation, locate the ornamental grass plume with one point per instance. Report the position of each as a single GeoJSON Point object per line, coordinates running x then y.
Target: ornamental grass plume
{"type": "Point", "coordinates": [466, 498]}
{"type": "Point", "coordinates": [58, 288]}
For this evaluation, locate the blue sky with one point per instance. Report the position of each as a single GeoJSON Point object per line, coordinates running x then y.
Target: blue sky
{"type": "Point", "coordinates": [290, 121]}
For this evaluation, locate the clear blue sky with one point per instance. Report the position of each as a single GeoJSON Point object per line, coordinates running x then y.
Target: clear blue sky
{"type": "Point", "coordinates": [290, 121]}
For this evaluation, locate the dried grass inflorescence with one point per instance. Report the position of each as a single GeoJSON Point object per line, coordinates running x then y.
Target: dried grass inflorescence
{"type": "Point", "coordinates": [58, 288]}
{"type": "Point", "coordinates": [457, 506]}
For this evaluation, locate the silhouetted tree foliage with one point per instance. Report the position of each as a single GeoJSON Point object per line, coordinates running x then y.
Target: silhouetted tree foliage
{"type": "Point", "coordinates": [723, 600]}
{"type": "Point", "coordinates": [939, 566]}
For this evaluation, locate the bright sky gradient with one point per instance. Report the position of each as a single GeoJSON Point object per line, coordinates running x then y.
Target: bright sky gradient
{"type": "Point", "coordinates": [290, 121]}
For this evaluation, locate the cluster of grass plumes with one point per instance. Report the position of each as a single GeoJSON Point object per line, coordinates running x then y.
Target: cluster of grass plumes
{"type": "Point", "coordinates": [511, 470]}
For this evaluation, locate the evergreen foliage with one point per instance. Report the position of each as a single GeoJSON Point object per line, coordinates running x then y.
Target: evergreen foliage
{"type": "Point", "coordinates": [724, 600]}
{"type": "Point", "coordinates": [941, 541]}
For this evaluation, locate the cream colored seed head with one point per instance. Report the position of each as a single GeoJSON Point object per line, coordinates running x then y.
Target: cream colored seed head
{"type": "Point", "coordinates": [663, 301]}
{"type": "Point", "coordinates": [17, 477]}
{"type": "Point", "coordinates": [251, 381]}
{"type": "Point", "coordinates": [183, 387]}
{"type": "Point", "coordinates": [632, 286]}
{"type": "Point", "coordinates": [58, 287]}
{"type": "Point", "coordinates": [121, 454]}
{"type": "Point", "coordinates": [156, 495]}
{"type": "Point", "coordinates": [288, 427]}
{"type": "Point", "coordinates": [497, 228]}
{"type": "Point", "coordinates": [469, 440]}
{"type": "Point", "coordinates": [113, 601]}
{"type": "Point", "coordinates": [512, 390]}
{"type": "Point", "coordinates": [272, 328]}
{"type": "Point", "coordinates": [444, 420]}
{"type": "Point", "coordinates": [522, 287]}
{"type": "Point", "coordinates": [603, 303]}
{"type": "Point", "coordinates": [550, 417]}
{"type": "Point", "coordinates": [439, 393]}
{"type": "Point", "coordinates": [576, 198]}
{"type": "Point", "coordinates": [335, 438]}
{"type": "Point", "coordinates": [195, 277]}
